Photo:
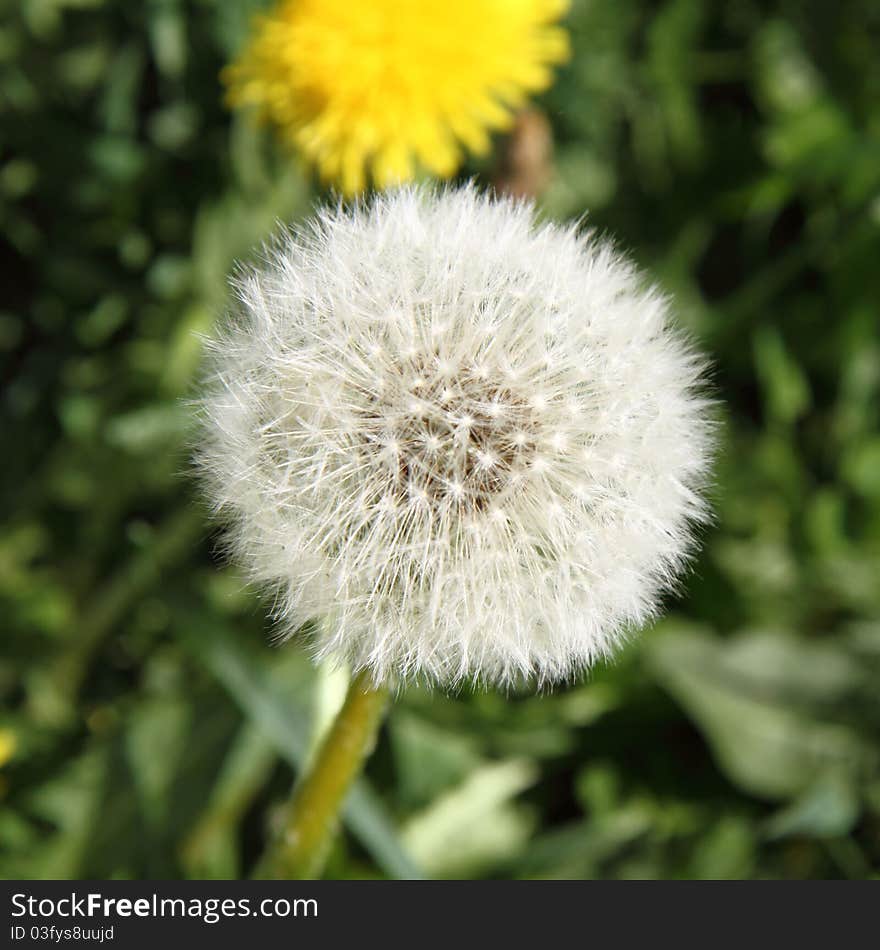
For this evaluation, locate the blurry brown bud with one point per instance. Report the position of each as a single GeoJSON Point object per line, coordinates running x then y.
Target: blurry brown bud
{"type": "Point", "coordinates": [526, 161]}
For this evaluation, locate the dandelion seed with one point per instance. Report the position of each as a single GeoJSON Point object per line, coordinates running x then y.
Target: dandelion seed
{"type": "Point", "coordinates": [519, 516]}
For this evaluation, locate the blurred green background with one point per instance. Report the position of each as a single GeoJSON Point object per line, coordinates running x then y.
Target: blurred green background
{"type": "Point", "coordinates": [148, 729]}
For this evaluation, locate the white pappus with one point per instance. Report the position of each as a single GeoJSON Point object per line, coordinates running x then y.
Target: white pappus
{"type": "Point", "coordinates": [467, 445]}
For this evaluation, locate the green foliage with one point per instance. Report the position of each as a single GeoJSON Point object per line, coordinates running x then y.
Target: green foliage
{"type": "Point", "coordinates": [148, 728]}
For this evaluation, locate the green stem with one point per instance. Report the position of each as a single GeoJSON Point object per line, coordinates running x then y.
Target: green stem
{"type": "Point", "coordinates": [301, 849]}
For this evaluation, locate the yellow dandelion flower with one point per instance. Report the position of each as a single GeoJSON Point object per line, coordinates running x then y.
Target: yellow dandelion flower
{"type": "Point", "coordinates": [383, 86]}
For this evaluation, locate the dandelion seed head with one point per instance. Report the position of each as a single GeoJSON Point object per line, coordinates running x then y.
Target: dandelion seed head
{"type": "Point", "coordinates": [455, 478]}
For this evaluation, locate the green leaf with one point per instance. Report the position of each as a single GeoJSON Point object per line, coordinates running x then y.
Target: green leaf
{"type": "Point", "coordinates": [829, 808]}
{"type": "Point", "coordinates": [749, 698]}
{"type": "Point", "coordinates": [786, 389]}
{"type": "Point", "coordinates": [474, 824]}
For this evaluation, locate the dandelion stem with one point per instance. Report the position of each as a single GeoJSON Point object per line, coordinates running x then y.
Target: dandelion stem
{"type": "Point", "coordinates": [301, 849]}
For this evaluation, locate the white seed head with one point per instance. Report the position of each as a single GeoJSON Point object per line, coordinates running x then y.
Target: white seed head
{"type": "Point", "coordinates": [467, 445]}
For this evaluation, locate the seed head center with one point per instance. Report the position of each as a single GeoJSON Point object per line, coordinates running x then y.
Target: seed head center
{"type": "Point", "coordinates": [455, 437]}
